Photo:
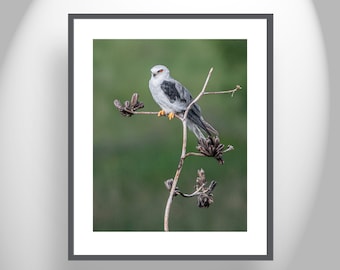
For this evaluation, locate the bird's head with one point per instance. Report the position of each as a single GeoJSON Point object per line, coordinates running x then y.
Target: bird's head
{"type": "Point", "coordinates": [160, 71]}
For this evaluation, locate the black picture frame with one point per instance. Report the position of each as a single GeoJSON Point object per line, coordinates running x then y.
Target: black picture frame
{"type": "Point", "coordinates": [269, 19]}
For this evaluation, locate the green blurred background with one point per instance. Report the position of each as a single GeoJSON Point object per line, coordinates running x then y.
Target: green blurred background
{"type": "Point", "coordinates": [133, 156]}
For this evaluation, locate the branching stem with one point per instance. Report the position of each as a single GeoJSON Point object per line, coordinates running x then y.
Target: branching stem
{"type": "Point", "coordinates": [194, 154]}
{"type": "Point", "coordinates": [147, 113]}
{"type": "Point", "coordinates": [178, 172]}
{"type": "Point", "coordinates": [183, 155]}
{"type": "Point", "coordinates": [232, 92]}
{"type": "Point", "coordinates": [192, 194]}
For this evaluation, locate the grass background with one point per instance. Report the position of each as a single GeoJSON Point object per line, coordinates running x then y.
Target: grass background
{"type": "Point", "coordinates": [134, 156]}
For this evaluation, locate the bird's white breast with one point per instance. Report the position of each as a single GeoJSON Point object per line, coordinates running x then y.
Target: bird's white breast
{"type": "Point", "coordinates": [160, 97]}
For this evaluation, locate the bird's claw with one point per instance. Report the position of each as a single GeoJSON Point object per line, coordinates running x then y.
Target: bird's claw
{"type": "Point", "coordinates": [171, 115]}
{"type": "Point", "coordinates": [161, 113]}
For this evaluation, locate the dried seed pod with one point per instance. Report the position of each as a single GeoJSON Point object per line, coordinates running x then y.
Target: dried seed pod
{"type": "Point", "coordinates": [137, 106]}
{"type": "Point", "coordinates": [129, 107]}
{"type": "Point", "coordinates": [127, 104]}
{"type": "Point", "coordinates": [200, 180]}
{"type": "Point", "coordinates": [168, 183]}
{"type": "Point", "coordinates": [134, 100]}
{"type": "Point", "coordinates": [122, 109]}
{"type": "Point", "coordinates": [211, 186]}
{"type": "Point", "coordinates": [117, 103]}
{"type": "Point", "coordinates": [204, 200]}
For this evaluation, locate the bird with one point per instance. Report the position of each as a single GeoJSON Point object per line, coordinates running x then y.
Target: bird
{"type": "Point", "coordinates": [174, 98]}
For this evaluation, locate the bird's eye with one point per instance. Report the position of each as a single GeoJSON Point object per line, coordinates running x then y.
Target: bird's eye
{"type": "Point", "coordinates": [159, 71]}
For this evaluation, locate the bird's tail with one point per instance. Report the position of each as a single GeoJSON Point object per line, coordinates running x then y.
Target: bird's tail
{"type": "Point", "coordinates": [209, 128]}
{"type": "Point", "coordinates": [198, 124]}
{"type": "Point", "coordinates": [197, 128]}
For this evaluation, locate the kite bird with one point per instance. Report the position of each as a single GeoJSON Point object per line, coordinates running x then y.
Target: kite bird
{"type": "Point", "coordinates": [174, 98]}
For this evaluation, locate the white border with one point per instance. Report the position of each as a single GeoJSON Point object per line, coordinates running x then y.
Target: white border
{"type": "Point", "coordinates": [252, 242]}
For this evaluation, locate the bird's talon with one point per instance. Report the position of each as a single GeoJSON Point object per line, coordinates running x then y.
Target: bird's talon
{"type": "Point", "coordinates": [161, 113]}
{"type": "Point", "coordinates": [171, 115]}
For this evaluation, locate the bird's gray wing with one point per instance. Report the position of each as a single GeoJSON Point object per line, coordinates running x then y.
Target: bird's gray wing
{"type": "Point", "coordinates": [183, 92]}
{"type": "Point", "coordinates": [175, 91]}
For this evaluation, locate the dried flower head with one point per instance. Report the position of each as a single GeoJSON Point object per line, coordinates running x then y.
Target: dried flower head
{"type": "Point", "coordinates": [211, 147]}
{"type": "Point", "coordinates": [202, 191]}
{"type": "Point", "coordinates": [129, 107]}
{"type": "Point", "coordinates": [204, 200]}
{"type": "Point", "coordinates": [200, 180]}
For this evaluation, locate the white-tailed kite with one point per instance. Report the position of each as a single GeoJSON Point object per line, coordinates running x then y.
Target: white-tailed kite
{"type": "Point", "coordinates": [174, 98]}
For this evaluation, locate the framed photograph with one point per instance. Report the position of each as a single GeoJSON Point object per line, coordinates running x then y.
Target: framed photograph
{"type": "Point", "coordinates": [170, 136]}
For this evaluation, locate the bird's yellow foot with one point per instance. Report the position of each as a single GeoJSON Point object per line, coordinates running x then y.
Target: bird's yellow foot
{"type": "Point", "coordinates": [171, 115]}
{"type": "Point", "coordinates": [161, 113]}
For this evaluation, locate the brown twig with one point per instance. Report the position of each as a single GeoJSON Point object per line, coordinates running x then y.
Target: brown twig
{"type": "Point", "coordinates": [194, 154]}
{"type": "Point", "coordinates": [145, 113]}
{"type": "Point", "coordinates": [224, 92]}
